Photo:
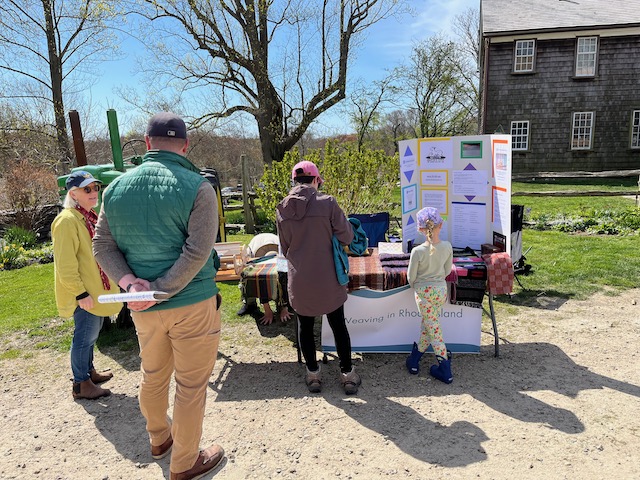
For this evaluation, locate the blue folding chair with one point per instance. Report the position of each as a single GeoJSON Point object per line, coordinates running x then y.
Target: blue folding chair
{"type": "Point", "coordinates": [375, 226]}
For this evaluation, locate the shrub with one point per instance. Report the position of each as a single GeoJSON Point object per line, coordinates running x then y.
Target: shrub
{"type": "Point", "coordinates": [28, 188]}
{"type": "Point", "coordinates": [20, 236]}
{"type": "Point", "coordinates": [43, 254]}
{"type": "Point", "coordinates": [11, 256]}
{"type": "Point", "coordinates": [361, 181]}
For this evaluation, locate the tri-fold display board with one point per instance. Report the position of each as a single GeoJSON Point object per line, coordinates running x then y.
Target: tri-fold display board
{"type": "Point", "coordinates": [468, 179]}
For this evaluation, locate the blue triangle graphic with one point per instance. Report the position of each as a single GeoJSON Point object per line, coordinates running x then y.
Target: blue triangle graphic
{"type": "Point", "coordinates": [408, 152]}
{"type": "Point", "coordinates": [409, 175]}
{"type": "Point", "coordinates": [469, 167]}
{"type": "Point", "coordinates": [411, 220]}
{"type": "Point", "coordinates": [470, 197]}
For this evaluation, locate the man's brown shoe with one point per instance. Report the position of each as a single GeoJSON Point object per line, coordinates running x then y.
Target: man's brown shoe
{"type": "Point", "coordinates": [88, 390]}
{"type": "Point", "coordinates": [161, 451]}
{"type": "Point", "coordinates": [207, 460]}
{"type": "Point", "coordinates": [101, 377]}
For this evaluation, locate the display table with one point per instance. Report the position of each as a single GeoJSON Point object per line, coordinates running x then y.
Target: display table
{"type": "Point", "coordinates": [379, 319]}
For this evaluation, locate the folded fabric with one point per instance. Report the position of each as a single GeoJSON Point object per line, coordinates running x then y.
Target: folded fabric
{"type": "Point", "coordinates": [341, 262]}
{"type": "Point", "coordinates": [360, 244]}
{"type": "Point", "coordinates": [366, 272]}
{"type": "Point", "coordinates": [499, 272]}
{"type": "Point", "coordinates": [395, 264]}
{"type": "Point", "coordinates": [394, 257]}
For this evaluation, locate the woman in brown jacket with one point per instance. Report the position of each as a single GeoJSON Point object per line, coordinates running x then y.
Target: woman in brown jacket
{"type": "Point", "coordinates": [307, 221]}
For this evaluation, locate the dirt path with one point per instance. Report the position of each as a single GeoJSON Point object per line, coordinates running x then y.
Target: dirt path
{"type": "Point", "coordinates": [563, 401]}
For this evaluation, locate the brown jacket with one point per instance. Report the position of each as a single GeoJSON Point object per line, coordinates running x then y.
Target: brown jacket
{"type": "Point", "coordinates": [307, 220]}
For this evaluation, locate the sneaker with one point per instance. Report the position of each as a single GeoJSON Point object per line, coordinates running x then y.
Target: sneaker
{"type": "Point", "coordinates": [161, 451]}
{"type": "Point", "coordinates": [350, 381]}
{"type": "Point", "coordinates": [208, 459]}
{"type": "Point", "coordinates": [313, 380]}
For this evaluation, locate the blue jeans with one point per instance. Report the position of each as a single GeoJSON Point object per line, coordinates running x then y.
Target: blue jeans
{"type": "Point", "coordinates": [85, 335]}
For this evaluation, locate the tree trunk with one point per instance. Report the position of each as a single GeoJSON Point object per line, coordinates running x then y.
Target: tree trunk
{"type": "Point", "coordinates": [55, 67]}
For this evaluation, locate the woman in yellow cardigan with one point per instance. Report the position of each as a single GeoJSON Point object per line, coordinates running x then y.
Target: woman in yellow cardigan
{"type": "Point", "coordinates": [79, 281]}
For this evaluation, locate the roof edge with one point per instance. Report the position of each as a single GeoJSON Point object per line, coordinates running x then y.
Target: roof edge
{"type": "Point", "coordinates": [532, 31]}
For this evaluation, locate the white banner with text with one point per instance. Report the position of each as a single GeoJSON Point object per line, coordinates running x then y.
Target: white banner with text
{"type": "Point", "coordinates": [389, 322]}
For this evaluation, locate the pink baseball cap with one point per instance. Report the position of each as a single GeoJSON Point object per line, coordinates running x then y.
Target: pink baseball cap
{"type": "Point", "coordinates": [306, 169]}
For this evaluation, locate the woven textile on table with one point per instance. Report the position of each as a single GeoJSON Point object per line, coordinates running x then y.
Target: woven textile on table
{"type": "Point", "coordinates": [472, 280]}
{"type": "Point", "coordinates": [395, 267]}
{"type": "Point", "coordinates": [499, 272]}
{"type": "Point", "coordinates": [260, 280]}
{"type": "Point", "coordinates": [366, 272]}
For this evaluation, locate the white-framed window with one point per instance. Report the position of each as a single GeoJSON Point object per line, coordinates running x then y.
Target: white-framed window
{"type": "Point", "coordinates": [524, 56]}
{"type": "Point", "coordinates": [586, 56]}
{"type": "Point", "coordinates": [635, 129]}
{"type": "Point", "coordinates": [520, 135]}
{"type": "Point", "coordinates": [582, 130]}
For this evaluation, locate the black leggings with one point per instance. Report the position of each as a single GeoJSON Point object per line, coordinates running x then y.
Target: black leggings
{"type": "Point", "coordinates": [340, 334]}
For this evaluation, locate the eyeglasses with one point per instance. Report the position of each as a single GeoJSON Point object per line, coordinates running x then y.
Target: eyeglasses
{"type": "Point", "coordinates": [89, 189]}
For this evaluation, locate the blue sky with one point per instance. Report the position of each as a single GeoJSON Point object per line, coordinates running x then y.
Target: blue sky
{"type": "Point", "coordinates": [387, 44]}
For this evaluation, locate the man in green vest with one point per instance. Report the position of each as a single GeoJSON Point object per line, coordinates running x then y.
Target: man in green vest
{"type": "Point", "coordinates": [156, 232]}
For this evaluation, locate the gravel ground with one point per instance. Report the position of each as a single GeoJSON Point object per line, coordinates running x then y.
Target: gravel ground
{"type": "Point", "coordinates": [562, 401]}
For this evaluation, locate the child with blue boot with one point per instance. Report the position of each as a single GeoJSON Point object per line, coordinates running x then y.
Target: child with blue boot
{"type": "Point", "coordinates": [429, 264]}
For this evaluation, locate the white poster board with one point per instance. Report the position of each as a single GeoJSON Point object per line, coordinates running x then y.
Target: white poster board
{"type": "Point", "coordinates": [389, 322]}
{"type": "Point", "coordinates": [468, 179]}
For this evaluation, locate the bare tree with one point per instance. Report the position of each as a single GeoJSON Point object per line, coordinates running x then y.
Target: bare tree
{"type": "Point", "coordinates": [284, 62]}
{"type": "Point", "coordinates": [46, 46]}
{"type": "Point", "coordinates": [399, 125]}
{"type": "Point", "coordinates": [366, 105]}
{"type": "Point", "coordinates": [467, 29]}
{"type": "Point", "coordinates": [438, 88]}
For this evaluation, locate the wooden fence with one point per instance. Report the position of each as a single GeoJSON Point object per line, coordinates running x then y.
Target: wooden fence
{"type": "Point", "coordinates": [578, 175]}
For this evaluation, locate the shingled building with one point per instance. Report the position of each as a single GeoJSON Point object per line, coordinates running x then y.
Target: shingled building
{"type": "Point", "coordinates": [563, 78]}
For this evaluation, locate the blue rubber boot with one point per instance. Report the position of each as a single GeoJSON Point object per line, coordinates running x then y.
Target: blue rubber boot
{"type": "Point", "coordinates": [442, 371]}
{"type": "Point", "coordinates": [413, 360]}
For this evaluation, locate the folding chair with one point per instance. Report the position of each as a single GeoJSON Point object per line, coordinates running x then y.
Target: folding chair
{"type": "Point", "coordinates": [375, 226]}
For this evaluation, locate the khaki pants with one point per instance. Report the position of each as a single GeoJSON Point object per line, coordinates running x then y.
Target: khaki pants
{"type": "Point", "coordinates": [183, 339]}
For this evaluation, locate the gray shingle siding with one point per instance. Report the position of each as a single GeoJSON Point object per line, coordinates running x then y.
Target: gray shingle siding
{"type": "Point", "coordinates": [548, 98]}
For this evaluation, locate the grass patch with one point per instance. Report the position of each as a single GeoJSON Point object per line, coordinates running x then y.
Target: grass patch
{"type": "Point", "coordinates": [29, 316]}
{"type": "Point", "coordinates": [28, 298]}
{"type": "Point", "coordinates": [576, 266]}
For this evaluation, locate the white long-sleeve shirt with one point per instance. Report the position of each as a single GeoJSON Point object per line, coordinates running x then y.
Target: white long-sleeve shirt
{"type": "Point", "coordinates": [430, 267]}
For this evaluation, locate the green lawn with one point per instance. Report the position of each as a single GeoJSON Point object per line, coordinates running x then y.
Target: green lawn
{"type": "Point", "coordinates": [563, 264]}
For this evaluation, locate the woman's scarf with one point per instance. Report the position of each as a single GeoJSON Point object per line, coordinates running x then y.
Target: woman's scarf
{"type": "Point", "coordinates": [90, 220]}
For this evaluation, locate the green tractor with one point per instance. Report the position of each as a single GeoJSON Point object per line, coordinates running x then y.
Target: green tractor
{"type": "Point", "coordinates": [108, 172]}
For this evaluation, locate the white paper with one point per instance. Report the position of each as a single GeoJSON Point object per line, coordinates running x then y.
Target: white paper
{"type": "Point", "coordinates": [470, 182]}
{"type": "Point", "coordinates": [468, 228]}
{"type": "Point", "coordinates": [434, 178]}
{"type": "Point", "coordinates": [436, 199]}
{"type": "Point", "coordinates": [150, 296]}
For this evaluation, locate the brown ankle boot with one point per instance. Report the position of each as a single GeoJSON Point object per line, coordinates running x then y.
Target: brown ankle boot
{"type": "Point", "coordinates": [100, 377]}
{"type": "Point", "coordinates": [89, 390]}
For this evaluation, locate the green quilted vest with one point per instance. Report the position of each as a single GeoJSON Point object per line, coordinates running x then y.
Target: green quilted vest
{"type": "Point", "coordinates": [148, 212]}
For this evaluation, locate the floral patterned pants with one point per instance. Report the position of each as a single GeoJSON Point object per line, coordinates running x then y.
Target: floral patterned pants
{"type": "Point", "coordinates": [430, 300]}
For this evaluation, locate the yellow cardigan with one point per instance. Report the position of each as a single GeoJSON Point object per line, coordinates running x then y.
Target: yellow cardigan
{"type": "Point", "coordinates": [75, 267]}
